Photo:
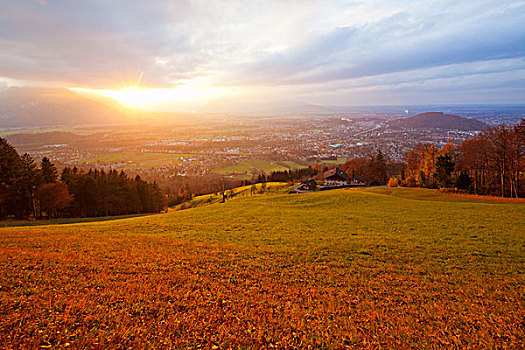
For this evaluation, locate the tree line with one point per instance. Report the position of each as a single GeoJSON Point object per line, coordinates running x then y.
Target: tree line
{"type": "Point", "coordinates": [491, 163]}
{"type": "Point", "coordinates": [290, 175]}
{"type": "Point", "coordinates": [100, 193]}
{"type": "Point", "coordinates": [31, 189]}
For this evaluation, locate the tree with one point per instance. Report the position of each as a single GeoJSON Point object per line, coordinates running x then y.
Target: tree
{"type": "Point", "coordinates": [443, 170]}
{"type": "Point", "coordinates": [463, 181]}
{"type": "Point", "coordinates": [393, 182]}
{"type": "Point", "coordinates": [473, 159]}
{"type": "Point", "coordinates": [32, 179]}
{"type": "Point", "coordinates": [376, 169]}
{"type": "Point", "coordinates": [13, 192]}
{"type": "Point", "coordinates": [429, 165]}
{"type": "Point", "coordinates": [53, 198]}
{"type": "Point", "coordinates": [49, 171]}
{"type": "Point", "coordinates": [502, 154]}
{"type": "Point", "coordinates": [519, 131]}
{"type": "Point", "coordinates": [414, 159]}
{"type": "Point", "coordinates": [263, 187]}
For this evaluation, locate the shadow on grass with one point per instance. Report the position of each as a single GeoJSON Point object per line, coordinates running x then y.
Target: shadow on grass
{"type": "Point", "coordinates": [20, 223]}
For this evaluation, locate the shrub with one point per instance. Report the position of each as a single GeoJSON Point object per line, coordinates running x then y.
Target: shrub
{"type": "Point", "coordinates": [393, 182]}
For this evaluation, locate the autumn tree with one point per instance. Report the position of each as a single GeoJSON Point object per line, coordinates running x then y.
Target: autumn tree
{"type": "Point", "coordinates": [53, 198]}
{"type": "Point", "coordinates": [504, 157]}
{"type": "Point", "coordinates": [473, 161]}
{"type": "Point", "coordinates": [413, 162]}
{"type": "Point", "coordinates": [490, 163]}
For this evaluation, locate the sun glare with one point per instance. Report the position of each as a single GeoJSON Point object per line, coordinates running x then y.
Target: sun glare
{"type": "Point", "coordinates": [184, 96]}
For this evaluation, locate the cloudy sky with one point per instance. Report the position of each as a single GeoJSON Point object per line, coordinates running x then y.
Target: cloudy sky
{"type": "Point", "coordinates": [180, 55]}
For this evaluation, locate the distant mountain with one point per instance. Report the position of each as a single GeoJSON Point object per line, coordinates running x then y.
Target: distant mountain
{"type": "Point", "coordinates": [27, 107]}
{"type": "Point", "coordinates": [438, 120]}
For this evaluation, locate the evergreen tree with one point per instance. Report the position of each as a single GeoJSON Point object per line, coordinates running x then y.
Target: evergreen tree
{"type": "Point", "coordinates": [32, 180]}
{"type": "Point", "coordinates": [49, 171]}
{"type": "Point", "coordinates": [14, 197]}
{"type": "Point", "coordinates": [443, 170]}
{"type": "Point", "coordinates": [463, 181]}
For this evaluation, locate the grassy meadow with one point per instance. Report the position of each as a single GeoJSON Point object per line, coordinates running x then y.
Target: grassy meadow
{"type": "Point", "coordinates": [247, 166]}
{"type": "Point", "coordinates": [243, 191]}
{"type": "Point", "coordinates": [350, 268]}
{"type": "Point", "coordinates": [136, 159]}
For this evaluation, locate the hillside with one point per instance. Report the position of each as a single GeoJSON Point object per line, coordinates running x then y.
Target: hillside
{"type": "Point", "coordinates": [437, 120]}
{"type": "Point", "coordinates": [358, 268]}
{"type": "Point", "coordinates": [250, 166]}
{"type": "Point", "coordinates": [25, 107]}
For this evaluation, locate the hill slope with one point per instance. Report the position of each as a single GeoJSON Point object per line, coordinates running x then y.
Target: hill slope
{"type": "Point", "coordinates": [345, 268]}
{"type": "Point", "coordinates": [438, 120]}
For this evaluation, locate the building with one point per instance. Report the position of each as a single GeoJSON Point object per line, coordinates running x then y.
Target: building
{"type": "Point", "coordinates": [309, 185]}
{"type": "Point", "coordinates": [335, 178]}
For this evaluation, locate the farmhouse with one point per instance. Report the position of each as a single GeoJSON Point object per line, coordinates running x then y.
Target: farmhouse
{"type": "Point", "coordinates": [336, 177]}
{"type": "Point", "coordinates": [309, 185]}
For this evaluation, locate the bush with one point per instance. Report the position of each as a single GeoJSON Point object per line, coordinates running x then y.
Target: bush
{"type": "Point", "coordinates": [393, 182]}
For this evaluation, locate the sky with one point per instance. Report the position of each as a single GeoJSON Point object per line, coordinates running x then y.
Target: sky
{"type": "Point", "coordinates": [192, 55]}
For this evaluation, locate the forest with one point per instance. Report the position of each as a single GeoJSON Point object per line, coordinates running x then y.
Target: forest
{"type": "Point", "coordinates": [491, 163]}
{"type": "Point", "coordinates": [31, 189]}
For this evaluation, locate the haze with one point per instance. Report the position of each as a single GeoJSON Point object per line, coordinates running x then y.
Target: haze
{"type": "Point", "coordinates": [216, 55]}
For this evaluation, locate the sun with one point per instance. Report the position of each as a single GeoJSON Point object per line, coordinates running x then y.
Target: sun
{"type": "Point", "coordinates": [185, 97]}
{"type": "Point", "coordinates": [134, 98]}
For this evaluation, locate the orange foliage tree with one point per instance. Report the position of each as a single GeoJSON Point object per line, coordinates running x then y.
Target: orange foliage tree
{"type": "Point", "coordinates": [53, 198]}
{"type": "Point", "coordinates": [490, 163]}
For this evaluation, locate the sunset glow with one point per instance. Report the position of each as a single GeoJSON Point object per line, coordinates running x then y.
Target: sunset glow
{"type": "Point", "coordinates": [319, 52]}
{"type": "Point", "coordinates": [186, 97]}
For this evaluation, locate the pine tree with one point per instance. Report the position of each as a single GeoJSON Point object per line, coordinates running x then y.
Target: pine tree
{"type": "Point", "coordinates": [32, 180]}
{"type": "Point", "coordinates": [13, 192]}
{"type": "Point", "coordinates": [49, 171]}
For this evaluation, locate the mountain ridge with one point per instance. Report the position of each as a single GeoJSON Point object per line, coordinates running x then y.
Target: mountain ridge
{"type": "Point", "coordinates": [437, 120]}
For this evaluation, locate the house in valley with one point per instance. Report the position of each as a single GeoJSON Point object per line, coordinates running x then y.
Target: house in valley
{"type": "Point", "coordinates": [309, 185]}
{"type": "Point", "coordinates": [336, 178]}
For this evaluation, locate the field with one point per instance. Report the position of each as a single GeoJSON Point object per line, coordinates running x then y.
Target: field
{"type": "Point", "coordinates": [350, 268]}
{"type": "Point", "coordinates": [340, 160]}
{"type": "Point", "coordinates": [249, 165]}
{"type": "Point", "coordinates": [61, 221]}
{"type": "Point", "coordinates": [243, 191]}
{"type": "Point", "coordinates": [134, 159]}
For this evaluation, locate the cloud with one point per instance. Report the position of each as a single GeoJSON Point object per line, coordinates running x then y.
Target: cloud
{"type": "Point", "coordinates": [390, 45]}
{"type": "Point", "coordinates": [303, 48]}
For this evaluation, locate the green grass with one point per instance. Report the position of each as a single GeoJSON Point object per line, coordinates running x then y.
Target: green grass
{"type": "Point", "coordinates": [250, 165]}
{"type": "Point", "coordinates": [340, 160]}
{"type": "Point", "coordinates": [135, 159]}
{"type": "Point", "coordinates": [294, 165]}
{"type": "Point", "coordinates": [236, 193]}
{"type": "Point", "coordinates": [351, 268]}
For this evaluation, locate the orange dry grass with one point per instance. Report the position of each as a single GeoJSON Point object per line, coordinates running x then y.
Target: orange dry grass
{"type": "Point", "coordinates": [329, 270]}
